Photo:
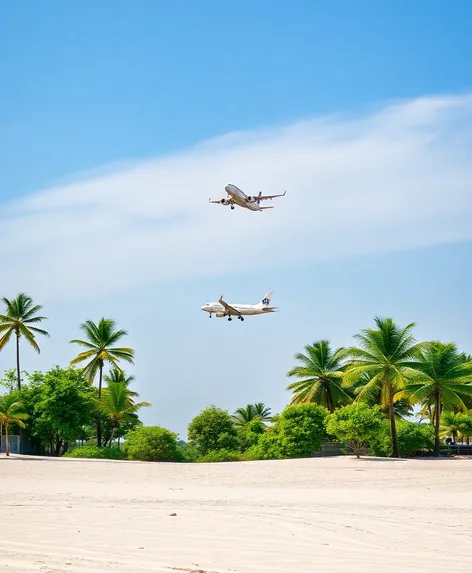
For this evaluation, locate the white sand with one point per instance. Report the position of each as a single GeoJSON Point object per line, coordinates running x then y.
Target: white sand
{"type": "Point", "coordinates": [301, 516]}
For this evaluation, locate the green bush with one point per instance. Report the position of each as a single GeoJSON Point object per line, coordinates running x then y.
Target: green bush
{"type": "Point", "coordinates": [187, 453]}
{"type": "Point", "coordinates": [250, 434]}
{"type": "Point", "coordinates": [152, 444]}
{"type": "Point", "coordinates": [213, 429]}
{"type": "Point", "coordinates": [296, 432]}
{"type": "Point", "coordinates": [355, 425]}
{"type": "Point", "coordinates": [94, 452]}
{"type": "Point", "coordinates": [220, 456]}
{"type": "Point", "coordinates": [411, 437]}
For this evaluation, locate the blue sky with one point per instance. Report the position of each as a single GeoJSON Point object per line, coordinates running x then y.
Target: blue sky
{"type": "Point", "coordinates": [118, 120]}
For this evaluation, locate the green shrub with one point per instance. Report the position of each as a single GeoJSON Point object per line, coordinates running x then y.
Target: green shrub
{"type": "Point", "coordinates": [220, 456]}
{"type": "Point", "coordinates": [296, 432]}
{"type": "Point", "coordinates": [213, 429]}
{"type": "Point", "coordinates": [151, 444]}
{"type": "Point", "coordinates": [356, 425]}
{"type": "Point", "coordinates": [95, 452]}
{"type": "Point", "coordinates": [411, 438]}
{"type": "Point", "coordinates": [250, 434]}
{"type": "Point", "coordinates": [187, 453]}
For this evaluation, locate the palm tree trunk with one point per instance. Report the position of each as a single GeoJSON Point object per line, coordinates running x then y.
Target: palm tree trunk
{"type": "Point", "coordinates": [18, 360]}
{"type": "Point", "coordinates": [99, 421]}
{"type": "Point", "coordinates": [329, 400]}
{"type": "Point", "coordinates": [393, 427]}
{"type": "Point", "coordinates": [436, 426]}
{"type": "Point", "coordinates": [6, 439]}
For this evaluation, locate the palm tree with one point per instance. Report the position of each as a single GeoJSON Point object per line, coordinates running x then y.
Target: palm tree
{"type": "Point", "coordinates": [442, 376]}
{"type": "Point", "coordinates": [11, 412]}
{"type": "Point", "coordinates": [118, 376]}
{"type": "Point", "coordinates": [100, 349]}
{"type": "Point", "coordinates": [118, 405]}
{"type": "Point", "coordinates": [387, 355]}
{"type": "Point", "coordinates": [451, 424]}
{"type": "Point", "coordinates": [402, 407]}
{"type": "Point", "coordinates": [258, 411]}
{"type": "Point", "coordinates": [19, 315]}
{"type": "Point", "coordinates": [321, 374]}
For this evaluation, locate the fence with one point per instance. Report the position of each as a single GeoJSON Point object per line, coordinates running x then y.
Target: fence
{"type": "Point", "coordinates": [14, 444]}
{"type": "Point", "coordinates": [329, 449]}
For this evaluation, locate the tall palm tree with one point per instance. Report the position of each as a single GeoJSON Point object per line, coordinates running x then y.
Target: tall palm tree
{"type": "Point", "coordinates": [442, 377]}
{"type": "Point", "coordinates": [11, 412]}
{"type": "Point", "coordinates": [387, 355]}
{"type": "Point", "coordinates": [259, 411]}
{"type": "Point", "coordinates": [321, 374]}
{"type": "Point", "coordinates": [100, 349]}
{"type": "Point", "coordinates": [401, 407]}
{"type": "Point", "coordinates": [118, 405]}
{"type": "Point", "coordinates": [20, 314]}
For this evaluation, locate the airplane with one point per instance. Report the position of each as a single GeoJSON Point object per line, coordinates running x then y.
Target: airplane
{"type": "Point", "coordinates": [222, 308]}
{"type": "Point", "coordinates": [238, 197]}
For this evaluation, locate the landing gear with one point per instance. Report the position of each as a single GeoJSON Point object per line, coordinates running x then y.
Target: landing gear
{"type": "Point", "coordinates": [229, 318]}
{"type": "Point", "coordinates": [210, 314]}
{"type": "Point", "coordinates": [240, 317]}
{"type": "Point", "coordinates": [232, 206]}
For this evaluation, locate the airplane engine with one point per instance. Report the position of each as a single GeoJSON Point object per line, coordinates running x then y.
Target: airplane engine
{"type": "Point", "coordinates": [251, 199]}
{"type": "Point", "coordinates": [225, 202]}
{"type": "Point", "coordinates": [220, 314]}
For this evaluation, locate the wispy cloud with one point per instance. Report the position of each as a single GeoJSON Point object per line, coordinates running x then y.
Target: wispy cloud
{"type": "Point", "coordinates": [397, 177]}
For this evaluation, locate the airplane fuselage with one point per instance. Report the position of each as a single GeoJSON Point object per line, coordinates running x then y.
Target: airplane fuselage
{"type": "Point", "coordinates": [244, 309]}
{"type": "Point", "coordinates": [241, 199]}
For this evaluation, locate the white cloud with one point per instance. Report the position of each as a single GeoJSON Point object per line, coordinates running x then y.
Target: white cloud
{"type": "Point", "coordinates": [398, 177]}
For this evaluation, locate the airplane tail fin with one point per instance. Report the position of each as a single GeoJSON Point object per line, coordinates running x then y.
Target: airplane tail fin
{"type": "Point", "coordinates": [266, 300]}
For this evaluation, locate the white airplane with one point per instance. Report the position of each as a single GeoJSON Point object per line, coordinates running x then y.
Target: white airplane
{"type": "Point", "coordinates": [222, 308]}
{"type": "Point", "coordinates": [237, 197]}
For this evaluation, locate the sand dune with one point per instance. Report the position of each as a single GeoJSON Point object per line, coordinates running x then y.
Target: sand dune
{"type": "Point", "coordinates": [301, 516]}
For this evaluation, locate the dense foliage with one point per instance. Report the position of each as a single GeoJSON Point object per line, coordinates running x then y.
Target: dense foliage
{"type": "Point", "coordinates": [213, 429]}
{"type": "Point", "coordinates": [364, 397]}
{"type": "Point", "coordinates": [356, 425]}
{"type": "Point", "coordinates": [151, 444]}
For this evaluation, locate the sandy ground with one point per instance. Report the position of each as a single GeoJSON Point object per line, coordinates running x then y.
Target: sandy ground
{"type": "Point", "coordinates": [302, 516]}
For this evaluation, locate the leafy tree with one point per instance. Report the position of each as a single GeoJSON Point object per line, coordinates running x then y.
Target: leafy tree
{"type": "Point", "coordinates": [118, 405]}
{"type": "Point", "coordinates": [297, 432]}
{"type": "Point", "coordinates": [11, 411]}
{"type": "Point", "coordinates": [213, 429]}
{"type": "Point", "coordinates": [440, 380]}
{"type": "Point", "coordinates": [387, 355]}
{"type": "Point", "coordinates": [64, 405]}
{"type": "Point", "coordinates": [251, 412]}
{"type": "Point", "coordinates": [356, 425]}
{"type": "Point", "coordinates": [20, 314]}
{"type": "Point", "coordinates": [320, 374]}
{"type": "Point", "coordinates": [151, 444]}
{"type": "Point", "coordinates": [250, 434]}
{"type": "Point", "coordinates": [100, 347]}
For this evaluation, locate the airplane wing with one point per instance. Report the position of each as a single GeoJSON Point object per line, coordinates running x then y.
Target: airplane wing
{"type": "Point", "coordinates": [228, 307]}
{"type": "Point", "coordinates": [210, 201]}
{"type": "Point", "coordinates": [261, 197]}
